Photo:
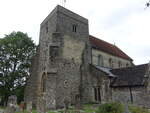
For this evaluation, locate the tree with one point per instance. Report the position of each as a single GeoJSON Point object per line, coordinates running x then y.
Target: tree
{"type": "Point", "coordinates": [16, 51]}
{"type": "Point", "coordinates": [147, 4]}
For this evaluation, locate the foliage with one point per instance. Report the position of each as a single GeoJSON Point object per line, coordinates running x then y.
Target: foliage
{"type": "Point", "coordinates": [105, 108]}
{"type": "Point", "coordinates": [111, 108]}
{"type": "Point", "coordinates": [33, 111]}
{"type": "Point", "coordinates": [16, 51]}
{"type": "Point", "coordinates": [51, 112]}
{"type": "Point", "coordinates": [147, 4]}
{"type": "Point", "coordinates": [136, 109]}
{"type": "Point", "coordinates": [88, 108]}
{"type": "Point", "coordinates": [22, 112]}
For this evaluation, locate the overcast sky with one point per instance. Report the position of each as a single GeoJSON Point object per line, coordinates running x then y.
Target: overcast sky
{"type": "Point", "coordinates": [125, 23]}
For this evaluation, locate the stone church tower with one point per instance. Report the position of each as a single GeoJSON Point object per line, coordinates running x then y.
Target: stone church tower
{"type": "Point", "coordinates": [62, 59]}
{"type": "Point", "coordinates": [71, 66]}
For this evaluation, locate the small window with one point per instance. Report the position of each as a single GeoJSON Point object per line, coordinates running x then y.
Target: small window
{"type": "Point", "coordinates": [43, 83]}
{"type": "Point", "coordinates": [97, 94]}
{"type": "Point", "coordinates": [119, 64]}
{"type": "Point", "coordinates": [46, 27]}
{"type": "Point", "coordinates": [66, 84]}
{"type": "Point", "coordinates": [100, 60]}
{"type": "Point", "coordinates": [111, 63]}
{"type": "Point", "coordinates": [74, 28]}
{"type": "Point", "coordinates": [53, 52]}
{"type": "Point", "coordinates": [127, 65]}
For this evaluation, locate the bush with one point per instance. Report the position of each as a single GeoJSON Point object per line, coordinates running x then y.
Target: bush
{"type": "Point", "coordinates": [111, 108]}
{"type": "Point", "coordinates": [88, 108]}
{"type": "Point", "coordinates": [136, 109]}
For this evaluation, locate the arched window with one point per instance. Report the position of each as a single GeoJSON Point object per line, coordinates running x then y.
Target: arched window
{"type": "Point", "coordinates": [110, 63]}
{"type": "Point", "coordinates": [100, 60]}
{"type": "Point", "coordinates": [43, 83]}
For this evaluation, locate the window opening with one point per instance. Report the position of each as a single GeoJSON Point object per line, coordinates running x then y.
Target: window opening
{"type": "Point", "coordinates": [97, 94]}
{"type": "Point", "coordinates": [53, 52]}
{"type": "Point", "coordinates": [74, 28]}
{"type": "Point", "coordinates": [119, 64]}
{"type": "Point", "coordinates": [46, 27]}
{"type": "Point", "coordinates": [100, 60]}
{"type": "Point", "coordinates": [110, 63]}
{"type": "Point", "coordinates": [43, 83]}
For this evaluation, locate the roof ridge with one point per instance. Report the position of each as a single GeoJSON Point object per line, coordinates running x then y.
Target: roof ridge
{"type": "Point", "coordinates": [130, 67]}
{"type": "Point", "coordinates": [102, 40]}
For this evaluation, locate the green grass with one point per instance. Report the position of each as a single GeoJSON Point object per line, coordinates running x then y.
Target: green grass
{"type": "Point", "coordinates": [51, 112]}
{"type": "Point", "coordinates": [88, 108]}
{"type": "Point", "coordinates": [111, 108]}
{"type": "Point", "coordinates": [34, 111]}
{"type": "Point", "coordinates": [22, 112]}
{"type": "Point", "coordinates": [1, 107]}
{"type": "Point", "coordinates": [137, 109]}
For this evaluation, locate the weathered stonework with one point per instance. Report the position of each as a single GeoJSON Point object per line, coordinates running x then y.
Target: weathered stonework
{"type": "Point", "coordinates": [31, 93]}
{"type": "Point", "coordinates": [137, 96]}
{"type": "Point", "coordinates": [106, 57]}
{"type": "Point", "coordinates": [60, 59]}
{"type": "Point", "coordinates": [96, 79]}
{"type": "Point", "coordinates": [65, 69]}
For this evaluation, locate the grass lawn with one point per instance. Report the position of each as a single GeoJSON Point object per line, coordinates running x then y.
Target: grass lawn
{"type": "Point", "coordinates": [91, 108]}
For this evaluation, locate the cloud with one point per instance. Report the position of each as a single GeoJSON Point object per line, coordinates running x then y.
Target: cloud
{"type": "Point", "coordinates": [123, 22]}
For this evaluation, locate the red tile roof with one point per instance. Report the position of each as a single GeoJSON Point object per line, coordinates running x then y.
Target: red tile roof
{"type": "Point", "coordinates": [107, 47]}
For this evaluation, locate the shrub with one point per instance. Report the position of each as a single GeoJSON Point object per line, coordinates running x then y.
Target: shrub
{"type": "Point", "coordinates": [88, 108]}
{"type": "Point", "coordinates": [111, 108]}
{"type": "Point", "coordinates": [136, 109]}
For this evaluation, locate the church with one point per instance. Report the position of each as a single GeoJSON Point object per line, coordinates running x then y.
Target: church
{"type": "Point", "coordinates": [72, 65]}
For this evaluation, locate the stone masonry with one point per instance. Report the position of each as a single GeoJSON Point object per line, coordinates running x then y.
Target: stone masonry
{"type": "Point", "coordinates": [61, 59]}
{"type": "Point", "coordinates": [73, 67]}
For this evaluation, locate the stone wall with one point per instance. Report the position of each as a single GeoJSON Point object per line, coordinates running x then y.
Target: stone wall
{"type": "Point", "coordinates": [32, 85]}
{"type": "Point", "coordinates": [61, 55]}
{"type": "Point", "coordinates": [95, 79]}
{"type": "Point", "coordinates": [64, 58]}
{"type": "Point", "coordinates": [136, 95]}
{"type": "Point", "coordinates": [73, 49]}
{"type": "Point", "coordinates": [68, 82]}
{"type": "Point", "coordinates": [41, 60]}
{"type": "Point", "coordinates": [106, 57]}
{"type": "Point", "coordinates": [51, 85]}
{"type": "Point", "coordinates": [119, 94]}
